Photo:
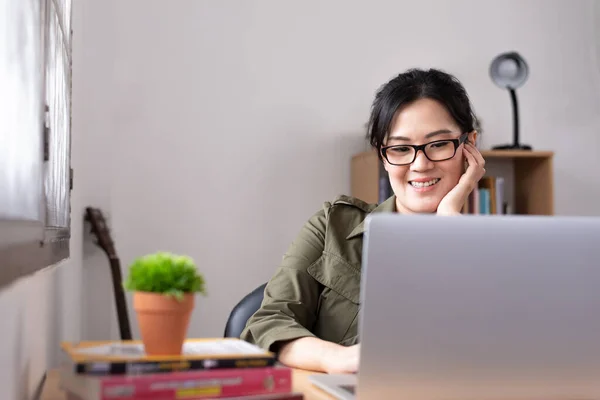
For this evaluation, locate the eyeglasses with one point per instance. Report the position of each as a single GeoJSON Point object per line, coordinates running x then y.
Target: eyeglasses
{"type": "Point", "coordinates": [439, 150]}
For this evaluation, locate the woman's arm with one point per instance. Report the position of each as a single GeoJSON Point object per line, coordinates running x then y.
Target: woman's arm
{"type": "Point", "coordinates": [285, 321]}
{"type": "Point", "coordinates": [314, 354]}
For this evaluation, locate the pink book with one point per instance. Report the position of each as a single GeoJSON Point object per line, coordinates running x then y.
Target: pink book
{"type": "Point", "coordinates": [188, 385]}
{"type": "Point", "coordinates": [270, 396]}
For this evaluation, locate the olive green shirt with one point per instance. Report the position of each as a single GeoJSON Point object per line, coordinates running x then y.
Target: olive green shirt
{"type": "Point", "coordinates": [316, 289]}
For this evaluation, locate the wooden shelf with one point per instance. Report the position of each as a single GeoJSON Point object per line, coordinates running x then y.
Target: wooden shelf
{"type": "Point", "coordinates": [532, 178]}
{"type": "Point", "coordinates": [515, 154]}
{"type": "Point", "coordinates": [529, 174]}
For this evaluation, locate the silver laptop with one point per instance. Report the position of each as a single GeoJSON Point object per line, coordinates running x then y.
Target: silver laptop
{"type": "Point", "coordinates": [477, 308]}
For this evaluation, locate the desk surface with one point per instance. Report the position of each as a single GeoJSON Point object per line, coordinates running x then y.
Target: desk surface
{"type": "Point", "coordinates": [300, 382]}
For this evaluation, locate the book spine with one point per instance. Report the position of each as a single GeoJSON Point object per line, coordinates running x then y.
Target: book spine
{"type": "Point", "coordinates": [484, 201]}
{"type": "Point", "coordinates": [153, 367]}
{"type": "Point", "coordinates": [198, 385]}
{"type": "Point", "coordinates": [499, 195]}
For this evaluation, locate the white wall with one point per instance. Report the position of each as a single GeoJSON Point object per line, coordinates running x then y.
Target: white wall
{"type": "Point", "coordinates": [29, 331]}
{"type": "Point", "coordinates": [37, 313]}
{"type": "Point", "coordinates": [93, 160]}
{"type": "Point", "coordinates": [228, 123]}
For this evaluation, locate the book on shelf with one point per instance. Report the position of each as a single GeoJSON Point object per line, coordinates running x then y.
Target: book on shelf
{"type": "Point", "coordinates": [128, 357]}
{"type": "Point", "coordinates": [487, 198]}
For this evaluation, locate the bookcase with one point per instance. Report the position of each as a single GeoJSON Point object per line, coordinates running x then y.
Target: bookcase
{"type": "Point", "coordinates": [520, 182]}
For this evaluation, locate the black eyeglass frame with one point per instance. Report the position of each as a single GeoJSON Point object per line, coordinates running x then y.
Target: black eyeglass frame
{"type": "Point", "coordinates": [457, 142]}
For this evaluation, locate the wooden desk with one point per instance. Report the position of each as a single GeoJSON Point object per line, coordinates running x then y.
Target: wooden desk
{"type": "Point", "coordinates": [301, 384]}
{"type": "Point", "coordinates": [51, 389]}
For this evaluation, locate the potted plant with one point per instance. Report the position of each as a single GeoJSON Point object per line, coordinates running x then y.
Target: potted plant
{"type": "Point", "coordinates": [164, 287]}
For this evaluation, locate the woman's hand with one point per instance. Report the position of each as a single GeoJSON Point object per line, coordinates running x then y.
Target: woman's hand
{"type": "Point", "coordinates": [342, 360]}
{"type": "Point", "coordinates": [454, 201]}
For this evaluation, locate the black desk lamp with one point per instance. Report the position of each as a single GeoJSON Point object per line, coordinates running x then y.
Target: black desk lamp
{"type": "Point", "coordinates": [510, 71]}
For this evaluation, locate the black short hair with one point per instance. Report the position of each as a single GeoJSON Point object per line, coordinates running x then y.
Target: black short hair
{"type": "Point", "coordinates": [416, 84]}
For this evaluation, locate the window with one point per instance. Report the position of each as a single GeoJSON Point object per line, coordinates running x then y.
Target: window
{"type": "Point", "coordinates": [35, 131]}
{"type": "Point", "coordinates": [58, 89]}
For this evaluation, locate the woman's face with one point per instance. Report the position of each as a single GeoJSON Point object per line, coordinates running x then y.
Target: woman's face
{"type": "Point", "coordinates": [420, 186]}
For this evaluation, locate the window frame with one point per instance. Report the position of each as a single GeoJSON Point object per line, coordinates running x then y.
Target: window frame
{"type": "Point", "coordinates": [28, 246]}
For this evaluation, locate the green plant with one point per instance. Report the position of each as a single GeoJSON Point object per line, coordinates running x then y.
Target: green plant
{"type": "Point", "coordinates": [165, 273]}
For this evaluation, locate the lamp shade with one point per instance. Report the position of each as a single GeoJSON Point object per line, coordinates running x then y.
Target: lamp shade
{"type": "Point", "coordinates": [509, 70]}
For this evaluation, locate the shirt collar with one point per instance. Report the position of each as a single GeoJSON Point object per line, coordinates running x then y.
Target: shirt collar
{"type": "Point", "coordinates": [387, 206]}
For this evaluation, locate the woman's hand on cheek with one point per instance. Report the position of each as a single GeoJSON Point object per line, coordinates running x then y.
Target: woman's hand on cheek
{"type": "Point", "coordinates": [454, 201]}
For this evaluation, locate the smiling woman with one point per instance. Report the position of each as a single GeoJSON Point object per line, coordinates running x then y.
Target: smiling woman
{"type": "Point", "coordinates": [423, 126]}
{"type": "Point", "coordinates": [423, 129]}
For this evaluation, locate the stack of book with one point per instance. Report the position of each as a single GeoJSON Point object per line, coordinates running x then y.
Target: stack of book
{"type": "Point", "coordinates": [206, 369]}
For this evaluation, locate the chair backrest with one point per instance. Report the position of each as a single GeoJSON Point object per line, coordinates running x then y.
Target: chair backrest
{"type": "Point", "coordinates": [243, 311]}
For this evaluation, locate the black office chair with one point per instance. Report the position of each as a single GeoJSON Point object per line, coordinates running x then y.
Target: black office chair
{"type": "Point", "coordinates": [243, 311]}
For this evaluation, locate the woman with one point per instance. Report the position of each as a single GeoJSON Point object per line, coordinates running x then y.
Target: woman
{"type": "Point", "coordinates": [423, 128]}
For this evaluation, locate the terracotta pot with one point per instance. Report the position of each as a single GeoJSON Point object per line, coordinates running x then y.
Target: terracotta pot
{"type": "Point", "coordinates": [163, 321]}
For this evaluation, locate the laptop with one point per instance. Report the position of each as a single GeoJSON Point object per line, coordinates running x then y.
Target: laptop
{"type": "Point", "coordinates": [477, 308]}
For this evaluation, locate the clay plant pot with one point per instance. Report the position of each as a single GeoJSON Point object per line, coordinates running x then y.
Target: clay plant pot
{"type": "Point", "coordinates": [163, 321]}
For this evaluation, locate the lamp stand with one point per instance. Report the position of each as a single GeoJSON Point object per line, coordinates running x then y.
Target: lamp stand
{"type": "Point", "coordinates": [515, 145]}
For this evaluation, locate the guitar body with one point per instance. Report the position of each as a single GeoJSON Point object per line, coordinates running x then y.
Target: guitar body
{"type": "Point", "coordinates": [105, 242]}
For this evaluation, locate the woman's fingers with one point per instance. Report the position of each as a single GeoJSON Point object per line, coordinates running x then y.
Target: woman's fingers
{"type": "Point", "coordinates": [470, 157]}
{"type": "Point", "coordinates": [476, 154]}
{"type": "Point", "coordinates": [476, 163]}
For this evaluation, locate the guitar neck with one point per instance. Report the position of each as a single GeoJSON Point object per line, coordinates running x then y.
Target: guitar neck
{"type": "Point", "coordinates": [122, 314]}
{"type": "Point", "coordinates": [105, 242]}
